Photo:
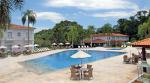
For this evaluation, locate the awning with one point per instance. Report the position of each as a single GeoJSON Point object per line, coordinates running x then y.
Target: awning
{"type": "Point", "coordinates": [142, 43]}
{"type": "Point", "coordinates": [15, 46]}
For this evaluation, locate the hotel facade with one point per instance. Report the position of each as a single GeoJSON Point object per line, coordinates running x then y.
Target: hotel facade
{"type": "Point", "coordinates": [107, 39]}
{"type": "Point", "coordinates": [17, 35]}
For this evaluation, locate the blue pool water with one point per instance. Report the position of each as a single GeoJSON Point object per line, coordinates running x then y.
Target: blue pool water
{"type": "Point", "coordinates": [62, 60]}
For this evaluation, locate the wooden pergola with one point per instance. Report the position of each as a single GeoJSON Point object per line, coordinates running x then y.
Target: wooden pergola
{"type": "Point", "coordinates": [145, 43]}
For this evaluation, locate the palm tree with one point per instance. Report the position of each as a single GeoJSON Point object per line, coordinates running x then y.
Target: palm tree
{"type": "Point", "coordinates": [144, 12]}
{"type": "Point", "coordinates": [6, 7]}
{"type": "Point", "coordinates": [149, 12]}
{"type": "Point", "coordinates": [30, 17]}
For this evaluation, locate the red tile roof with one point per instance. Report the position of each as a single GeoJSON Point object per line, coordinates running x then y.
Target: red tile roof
{"type": "Point", "coordinates": [14, 26]}
{"type": "Point", "coordinates": [101, 41]}
{"type": "Point", "coordinates": [142, 43]}
{"type": "Point", "coordinates": [107, 34]}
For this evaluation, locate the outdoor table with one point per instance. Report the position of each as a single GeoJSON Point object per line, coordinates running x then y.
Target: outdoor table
{"type": "Point", "coordinates": [82, 72]}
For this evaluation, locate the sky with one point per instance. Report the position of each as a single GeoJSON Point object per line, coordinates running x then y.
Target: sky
{"type": "Point", "coordinates": [85, 12]}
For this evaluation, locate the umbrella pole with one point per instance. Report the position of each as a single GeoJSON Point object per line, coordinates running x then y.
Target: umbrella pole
{"type": "Point", "coordinates": [81, 62]}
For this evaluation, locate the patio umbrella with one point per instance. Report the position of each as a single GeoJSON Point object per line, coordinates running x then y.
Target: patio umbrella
{"type": "Point", "coordinates": [54, 44]}
{"type": "Point", "coordinates": [3, 47]}
{"type": "Point", "coordinates": [61, 44]}
{"type": "Point", "coordinates": [29, 45]}
{"type": "Point", "coordinates": [128, 43]}
{"type": "Point", "coordinates": [36, 45]}
{"type": "Point", "coordinates": [80, 55]}
{"type": "Point", "coordinates": [15, 46]}
{"type": "Point", "coordinates": [67, 43]}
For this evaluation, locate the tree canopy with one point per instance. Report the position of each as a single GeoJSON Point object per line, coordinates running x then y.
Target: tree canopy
{"type": "Point", "coordinates": [136, 26]}
{"type": "Point", "coordinates": [61, 30]}
{"type": "Point", "coordinates": [6, 7]}
{"type": "Point", "coordinates": [106, 28]}
{"type": "Point", "coordinates": [144, 29]}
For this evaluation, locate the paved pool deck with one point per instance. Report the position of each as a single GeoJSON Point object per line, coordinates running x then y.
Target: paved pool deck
{"type": "Point", "coordinates": [110, 70]}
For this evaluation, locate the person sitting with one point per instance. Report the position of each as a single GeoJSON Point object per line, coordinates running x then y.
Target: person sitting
{"type": "Point", "coordinates": [126, 59]}
{"type": "Point", "coordinates": [135, 58]}
{"type": "Point", "coordinates": [89, 66]}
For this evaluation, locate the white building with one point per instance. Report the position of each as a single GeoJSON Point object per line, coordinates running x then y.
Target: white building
{"type": "Point", "coordinates": [17, 35]}
{"type": "Point", "coordinates": [114, 39]}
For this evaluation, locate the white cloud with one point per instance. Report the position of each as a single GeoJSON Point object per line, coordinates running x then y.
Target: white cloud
{"type": "Point", "coordinates": [52, 16]}
{"type": "Point", "coordinates": [93, 4]}
{"type": "Point", "coordinates": [38, 29]}
{"type": "Point", "coordinates": [117, 14]}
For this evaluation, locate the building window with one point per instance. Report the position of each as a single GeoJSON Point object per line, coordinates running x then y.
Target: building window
{"type": "Point", "coordinates": [9, 35]}
{"type": "Point", "coordinates": [19, 34]}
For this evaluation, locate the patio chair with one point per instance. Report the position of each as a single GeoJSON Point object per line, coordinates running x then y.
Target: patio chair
{"type": "Point", "coordinates": [46, 49]}
{"type": "Point", "coordinates": [75, 74]}
{"type": "Point", "coordinates": [135, 58]}
{"type": "Point", "coordinates": [148, 55]}
{"type": "Point", "coordinates": [89, 66]}
{"type": "Point", "coordinates": [126, 59]}
{"type": "Point", "coordinates": [36, 50]}
{"type": "Point", "coordinates": [88, 74]}
{"type": "Point", "coordinates": [15, 53]}
{"type": "Point", "coordinates": [40, 50]}
{"type": "Point", "coordinates": [3, 54]}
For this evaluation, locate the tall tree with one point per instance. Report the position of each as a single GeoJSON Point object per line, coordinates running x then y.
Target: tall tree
{"type": "Point", "coordinates": [142, 16]}
{"type": "Point", "coordinates": [61, 29]}
{"type": "Point", "coordinates": [73, 35]}
{"type": "Point", "coordinates": [42, 38]}
{"type": "Point", "coordinates": [87, 32]}
{"type": "Point", "coordinates": [30, 17]}
{"type": "Point", "coordinates": [90, 30]}
{"type": "Point", "coordinates": [107, 28]}
{"type": "Point", "coordinates": [144, 29]}
{"type": "Point", "coordinates": [128, 26]}
{"type": "Point", "coordinates": [6, 7]}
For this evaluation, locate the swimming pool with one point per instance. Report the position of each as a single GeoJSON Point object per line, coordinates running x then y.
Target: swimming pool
{"type": "Point", "coordinates": [62, 60]}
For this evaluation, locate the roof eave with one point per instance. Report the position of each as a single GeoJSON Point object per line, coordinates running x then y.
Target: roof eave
{"type": "Point", "coordinates": [146, 46]}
